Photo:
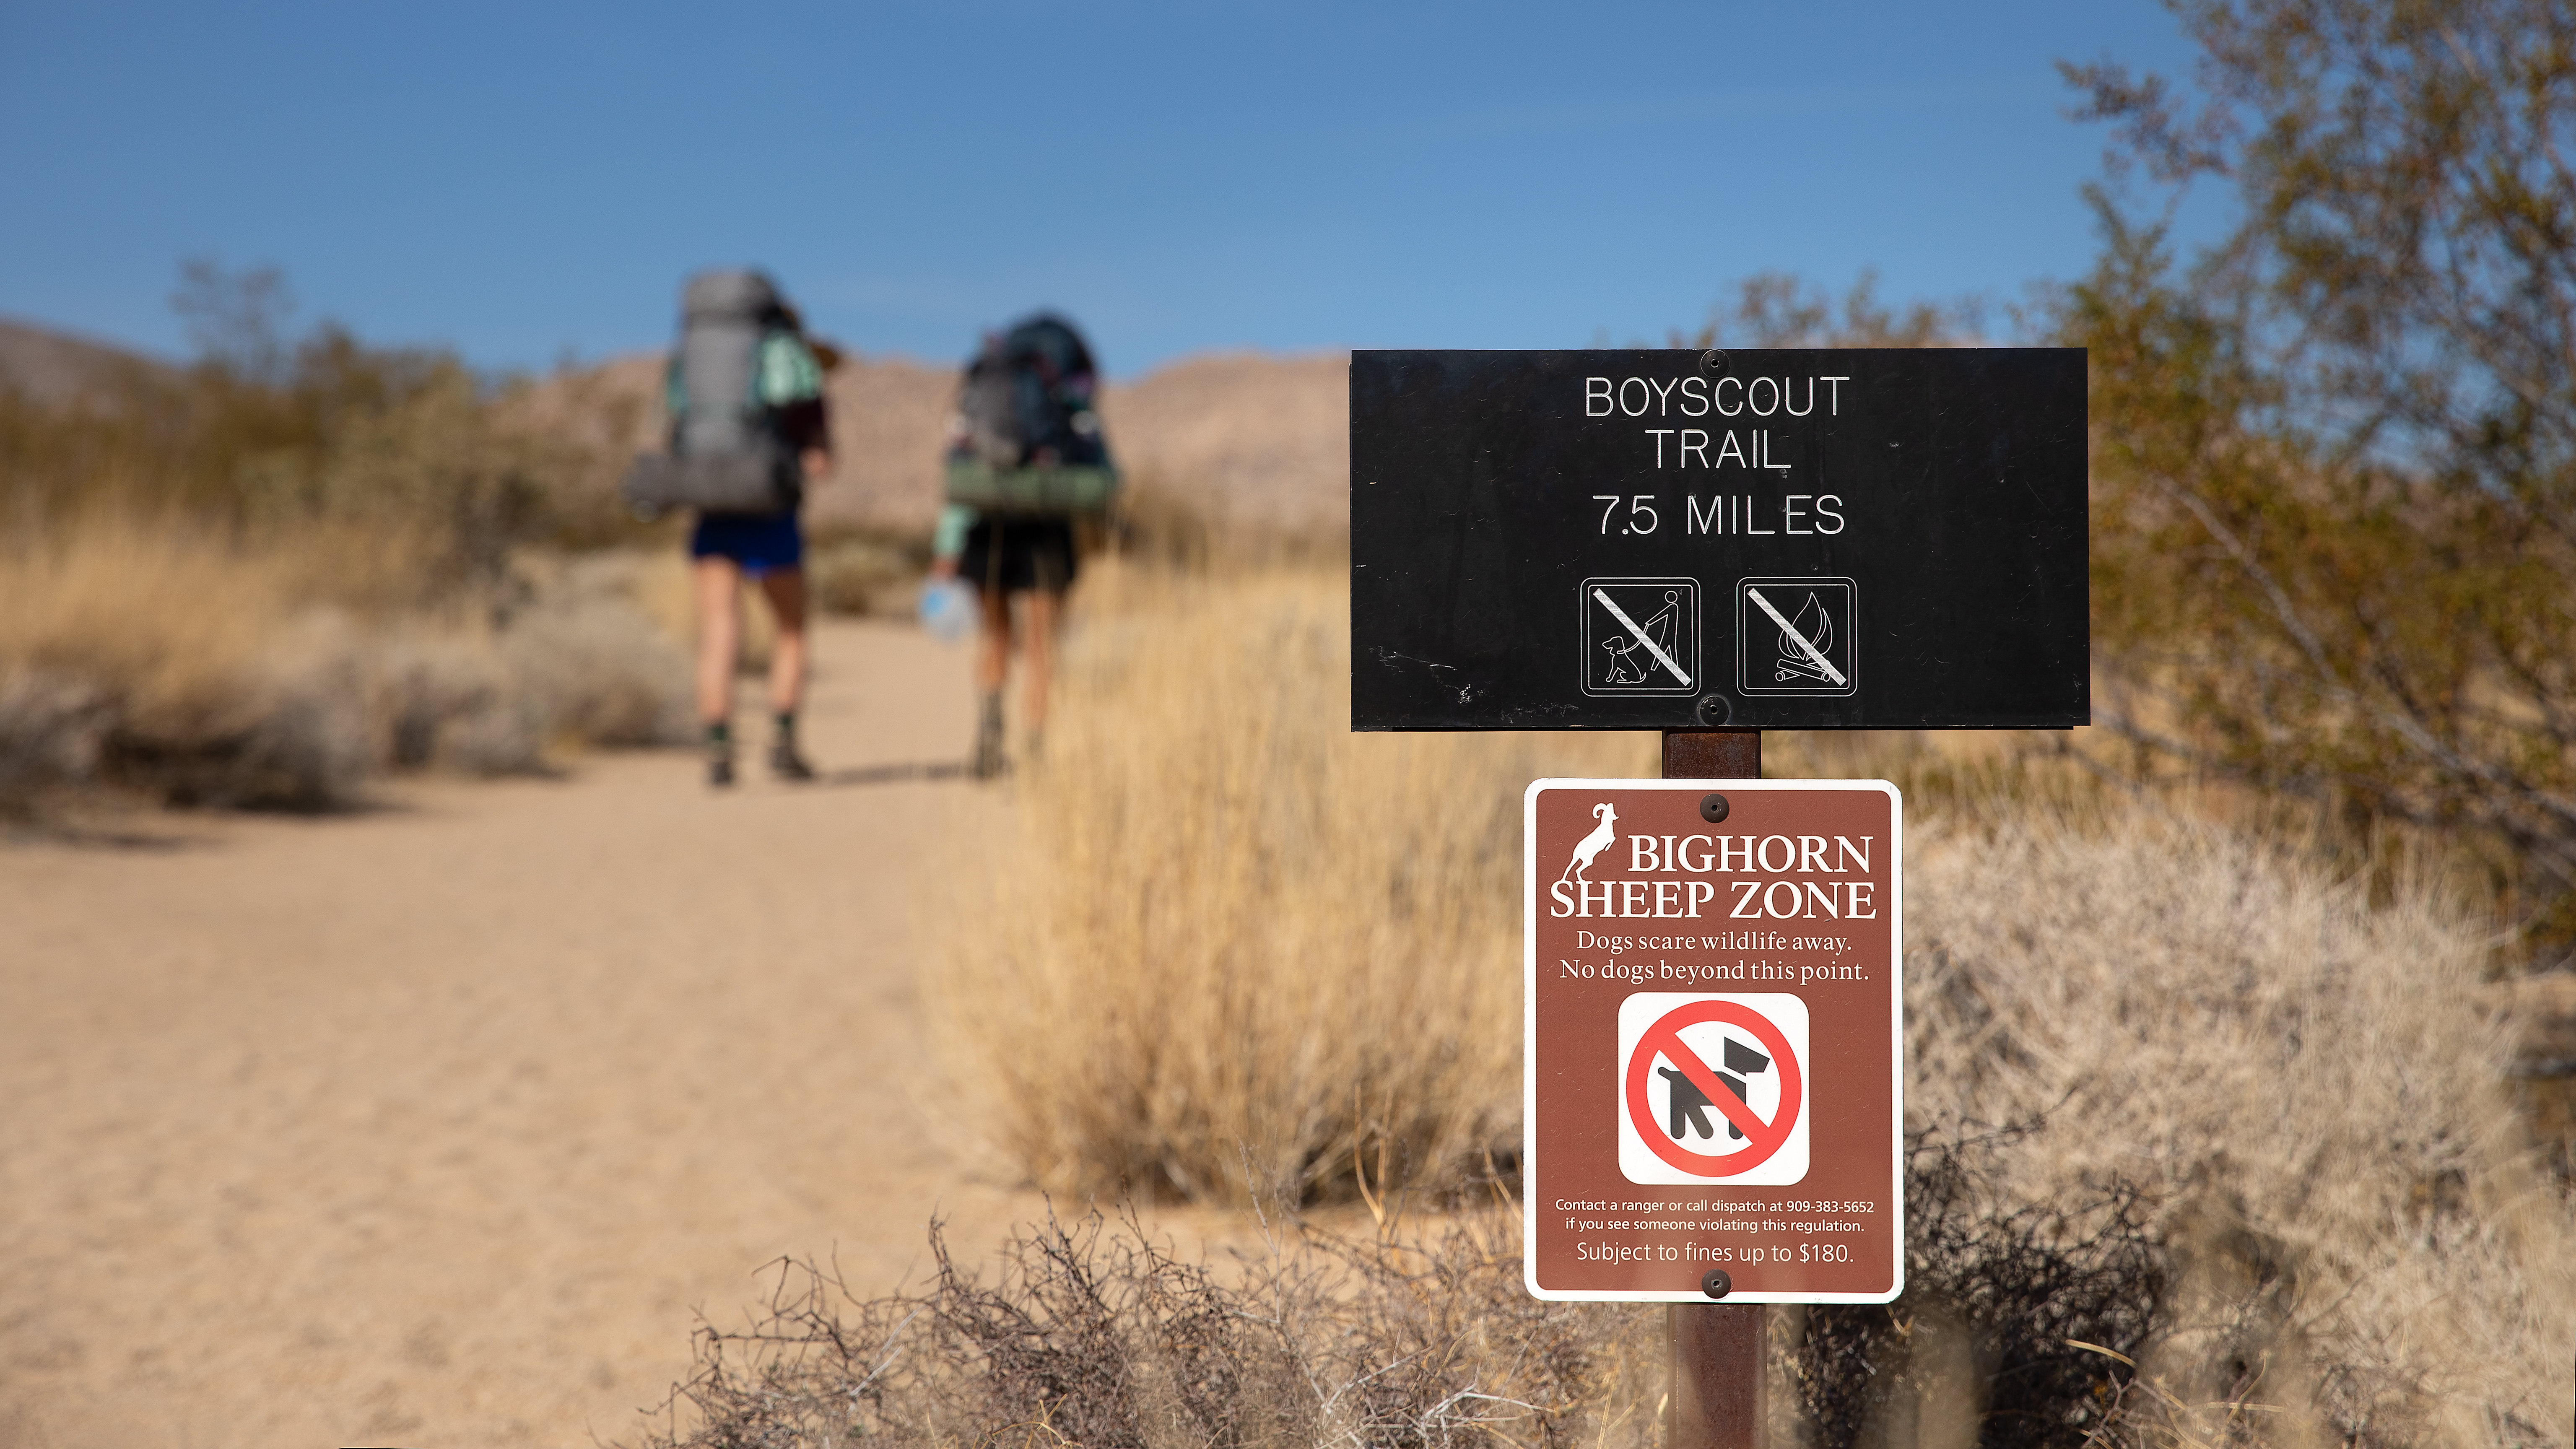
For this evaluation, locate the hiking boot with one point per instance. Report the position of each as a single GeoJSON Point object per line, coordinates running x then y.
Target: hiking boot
{"type": "Point", "coordinates": [786, 764]}
{"type": "Point", "coordinates": [720, 771]}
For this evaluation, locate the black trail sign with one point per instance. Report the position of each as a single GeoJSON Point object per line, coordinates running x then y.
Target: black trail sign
{"type": "Point", "coordinates": [1848, 539]}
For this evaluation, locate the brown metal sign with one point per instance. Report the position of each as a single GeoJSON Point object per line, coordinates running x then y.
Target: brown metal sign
{"type": "Point", "coordinates": [1712, 1070]}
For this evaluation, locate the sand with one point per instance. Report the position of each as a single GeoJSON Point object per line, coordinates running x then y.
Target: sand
{"type": "Point", "coordinates": [437, 1125]}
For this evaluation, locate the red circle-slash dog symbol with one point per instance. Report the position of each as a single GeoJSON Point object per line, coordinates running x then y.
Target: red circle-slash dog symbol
{"type": "Point", "coordinates": [1713, 1088]}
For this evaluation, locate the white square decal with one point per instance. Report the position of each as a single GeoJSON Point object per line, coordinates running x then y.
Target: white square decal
{"type": "Point", "coordinates": [1713, 1090]}
{"type": "Point", "coordinates": [1797, 636]}
{"type": "Point", "coordinates": [1640, 636]}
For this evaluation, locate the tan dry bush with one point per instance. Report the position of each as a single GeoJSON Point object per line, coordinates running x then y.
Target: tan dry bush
{"type": "Point", "coordinates": [599, 673]}
{"type": "Point", "coordinates": [141, 654]}
{"type": "Point", "coordinates": [1229, 947]}
{"type": "Point", "coordinates": [2307, 1091]}
{"type": "Point", "coordinates": [865, 574]}
{"type": "Point", "coordinates": [1099, 1336]}
{"type": "Point", "coordinates": [446, 702]}
{"type": "Point", "coordinates": [596, 655]}
{"type": "Point", "coordinates": [171, 615]}
{"type": "Point", "coordinates": [1975, 777]}
{"type": "Point", "coordinates": [285, 671]}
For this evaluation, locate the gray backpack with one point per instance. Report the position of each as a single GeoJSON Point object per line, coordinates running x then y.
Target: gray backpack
{"type": "Point", "coordinates": [724, 455]}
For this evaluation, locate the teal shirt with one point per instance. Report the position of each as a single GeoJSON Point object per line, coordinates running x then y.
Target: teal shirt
{"type": "Point", "coordinates": [948, 540]}
{"type": "Point", "coordinates": [788, 371]}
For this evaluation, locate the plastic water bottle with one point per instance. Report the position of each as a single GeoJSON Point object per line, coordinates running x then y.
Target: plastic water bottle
{"type": "Point", "coordinates": [947, 610]}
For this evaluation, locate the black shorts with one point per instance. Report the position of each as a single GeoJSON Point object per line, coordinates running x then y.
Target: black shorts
{"type": "Point", "coordinates": [1018, 554]}
{"type": "Point", "coordinates": [760, 542]}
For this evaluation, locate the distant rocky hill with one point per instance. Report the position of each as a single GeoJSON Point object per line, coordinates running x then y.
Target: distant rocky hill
{"type": "Point", "coordinates": [53, 367]}
{"type": "Point", "coordinates": [1249, 438]}
{"type": "Point", "coordinates": [1252, 438]}
{"type": "Point", "coordinates": [1257, 438]}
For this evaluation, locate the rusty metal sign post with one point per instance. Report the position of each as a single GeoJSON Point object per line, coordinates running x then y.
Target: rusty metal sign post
{"type": "Point", "coordinates": [1713, 1352]}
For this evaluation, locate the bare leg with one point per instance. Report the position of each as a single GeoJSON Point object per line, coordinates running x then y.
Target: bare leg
{"type": "Point", "coordinates": [719, 593]}
{"type": "Point", "coordinates": [1045, 608]}
{"type": "Point", "coordinates": [993, 661]}
{"type": "Point", "coordinates": [992, 666]}
{"type": "Point", "coordinates": [785, 589]}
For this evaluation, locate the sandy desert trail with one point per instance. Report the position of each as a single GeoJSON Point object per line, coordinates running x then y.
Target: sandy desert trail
{"type": "Point", "coordinates": [432, 1126]}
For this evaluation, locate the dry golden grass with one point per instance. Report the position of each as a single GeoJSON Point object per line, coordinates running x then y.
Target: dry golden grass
{"type": "Point", "coordinates": [129, 641]}
{"type": "Point", "coordinates": [283, 669]}
{"type": "Point", "coordinates": [1234, 949]}
{"type": "Point", "coordinates": [77, 609]}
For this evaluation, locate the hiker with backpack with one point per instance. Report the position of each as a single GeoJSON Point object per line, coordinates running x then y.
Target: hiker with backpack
{"type": "Point", "coordinates": [1026, 460]}
{"type": "Point", "coordinates": [749, 430]}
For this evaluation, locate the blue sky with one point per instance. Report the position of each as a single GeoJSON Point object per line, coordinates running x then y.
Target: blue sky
{"type": "Point", "coordinates": [524, 182]}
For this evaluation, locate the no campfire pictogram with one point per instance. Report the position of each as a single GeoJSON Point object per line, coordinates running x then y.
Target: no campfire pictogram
{"type": "Point", "coordinates": [1741, 1057]}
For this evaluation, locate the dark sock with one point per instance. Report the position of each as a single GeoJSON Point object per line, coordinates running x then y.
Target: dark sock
{"type": "Point", "coordinates": [787, 726]}
{"type": "Point", "coordinates": [720, 738]}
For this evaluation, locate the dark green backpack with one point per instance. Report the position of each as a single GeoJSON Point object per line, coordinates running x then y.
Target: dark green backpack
{"type": "Point", "coordinates": [1029, 438]}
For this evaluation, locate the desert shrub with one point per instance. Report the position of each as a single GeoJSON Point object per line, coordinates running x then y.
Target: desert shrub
{"type": "Point", "coordinates": [261, 578]}
{"type": "Point", "coordinates": [1227, 947]}
{"type": "Point", "coordinates": [152, 660]}
{"type": "Point", "coordinates": [139, 656]}
{"type": "Point", "coordinates": [50, 727]}
{"type": "Point", "coordinates": [2293, 1094]}
{"type": "Point", "coordinates": [590, 660]}
{"type": "Point", "coordinates": [265, 433]}
{"type": "Point", "coordinates": [863, 574]}
{"type": "Point", "coordinates": [290, 731]}
{"type": "Point", "coordinates": [1779, 309]}
{"type": "Point", "coordinates": [1098, 1336]}
{"type": "Point", "coordinates": [2016, 1319]}
{"type": "Point", "coordinates": [1971, 777]}
{"type": "Point", "coordinates": [2335, 451]}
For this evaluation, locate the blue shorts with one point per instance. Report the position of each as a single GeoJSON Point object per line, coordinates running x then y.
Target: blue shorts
{"type": "Point", "coordinates": [760, 542]}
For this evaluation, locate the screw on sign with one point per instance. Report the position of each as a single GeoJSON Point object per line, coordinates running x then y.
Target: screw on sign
{"type": "Point", "coordinates": [1696, 1085]}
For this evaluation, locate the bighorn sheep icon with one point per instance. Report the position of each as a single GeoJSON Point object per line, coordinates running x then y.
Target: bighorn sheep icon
{"type": "Point", "coordinates": [1591, 845]}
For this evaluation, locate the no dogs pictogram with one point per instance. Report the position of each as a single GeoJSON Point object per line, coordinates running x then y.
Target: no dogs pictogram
{"type": "Point", "coordinates": [1640, 636]}
{"type": "Point", "coordinates": [1739, 1060]}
